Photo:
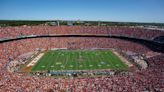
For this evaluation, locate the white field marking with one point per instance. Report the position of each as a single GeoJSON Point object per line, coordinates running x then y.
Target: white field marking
{"type": "Point", "coordinates": [102, 62]}
{"type": "Point", "coordinates": [123, 59]}
{"type": "Point", "coordinates": [43, 66]}
{"type": "Point", "coordinates": [52, 66]}
{"type": "Point", "coordinates": [71, 65]}
{"type": "Point", "coordinates": [65, 63]}
{"type": "Point", "coordinates": [90, 65]}
{"type": "Point", "coordinates": [35, 60]}
{"type": "Point", "coordinates": [58, 63]}
{"type": "Point", "coordinates": [62, 66]}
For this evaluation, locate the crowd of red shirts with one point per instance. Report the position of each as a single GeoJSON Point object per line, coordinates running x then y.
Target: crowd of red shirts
{"type": "Point", "coordinates": [149, 79]}
{"type": "Point", "coordinates": [12, 32]}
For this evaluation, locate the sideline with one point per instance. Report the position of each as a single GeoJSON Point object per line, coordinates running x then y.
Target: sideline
{"type": "Point", "coordinates": [35, 60]}
{"type": "Point", "coordinates": [123, 59]}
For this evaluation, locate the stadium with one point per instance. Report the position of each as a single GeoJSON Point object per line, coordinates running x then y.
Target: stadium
{"type": "Point", "coordinates": [81, 46]}
{"type": "Point", "coordinates": [81, 58]}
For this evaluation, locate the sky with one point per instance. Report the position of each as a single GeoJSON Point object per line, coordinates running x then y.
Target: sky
{"type": "Point", "coordinates": [96, 10]}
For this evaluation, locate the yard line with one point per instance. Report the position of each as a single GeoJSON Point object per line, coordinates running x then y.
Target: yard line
{"type": "Point", "coordinates": [109, 58]}
{"type": "Point", "coordinates": [65, 61]}
{"type": "Point", "coordinates": [95, 56]}
{"type": "Point", "coordinates": [48, 61]}
{"type": "Point", "coordinates": [92, 61]}
{"type": "Point", "coordinates": [88, 60]}
{"type": "Point", "coordinates": [58, 60]}
{"type": "Point", "coordinates": [85, 61]}
{"type": "Point", "coordinates": [81, 62]}
{"type": "Point", "coordinates": [76, 60]}
{"type": "Point", "coordinates": [55, 54]}
{"type": "Point", "coordinates": [69, 56]}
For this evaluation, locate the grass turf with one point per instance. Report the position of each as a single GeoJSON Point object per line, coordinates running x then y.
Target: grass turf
{"type": "Point", "coordinates": [79, 60]}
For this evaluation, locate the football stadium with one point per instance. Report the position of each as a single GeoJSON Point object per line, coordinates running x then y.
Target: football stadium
{"type": "Point", "coordinates": [68, 57]}
{"type": "Point", "coordinates": [97, 54]}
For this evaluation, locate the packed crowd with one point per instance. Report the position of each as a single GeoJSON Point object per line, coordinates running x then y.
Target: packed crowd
{"type": "Point", "coordinates": [11, 50]}
{"type": "Point", "coordinates": [149, 79]}
{"type": "Point", "coordinates": [141, 81]}
{"type": "Point", "coordinates": [12, 32]}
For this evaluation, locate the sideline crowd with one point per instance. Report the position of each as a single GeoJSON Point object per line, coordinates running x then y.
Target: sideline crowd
{"type": "Point", "coordinates": [148, 80]}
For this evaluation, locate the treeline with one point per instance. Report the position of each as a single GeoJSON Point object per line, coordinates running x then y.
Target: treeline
{"type": "Point", "coordinates": [20, 23]}
{"type": "Point", "coordinates": [4, 23]}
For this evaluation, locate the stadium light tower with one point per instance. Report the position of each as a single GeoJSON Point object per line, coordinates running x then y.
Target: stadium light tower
{"type": "Point", "coordinates": [99, 22]}
{"type": "Point", "coordinates": [58, 23]}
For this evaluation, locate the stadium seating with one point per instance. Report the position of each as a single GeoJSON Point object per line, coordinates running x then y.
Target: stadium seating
{"type": "Point", "coordinates": [12, 32]}
{"type": "Point", "coordinates": [145, 80]}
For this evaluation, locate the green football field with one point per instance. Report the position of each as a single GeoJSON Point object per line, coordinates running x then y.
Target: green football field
{"type": "Point", "coordinates": [79, 60]}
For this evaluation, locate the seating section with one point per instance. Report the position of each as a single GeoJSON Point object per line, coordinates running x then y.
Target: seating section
{"type": "Point", "coordinates": [149, 79]}
{"type": "Point", "coordinates": [12, 32]}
